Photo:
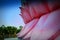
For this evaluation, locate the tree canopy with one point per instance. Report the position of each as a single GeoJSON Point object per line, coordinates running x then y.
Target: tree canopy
{"type": "Point", "coordinates": [8, 31]}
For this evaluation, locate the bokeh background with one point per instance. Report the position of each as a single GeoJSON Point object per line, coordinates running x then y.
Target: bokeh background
{"type": "Point", "coordinates": [10, 20]}
{"type": "Point", "coordinates": [9, 13]}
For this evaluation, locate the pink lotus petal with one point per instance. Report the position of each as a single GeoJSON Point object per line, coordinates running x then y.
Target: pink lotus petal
{"type": "Point", "coordinates": [44, 29]}
{"type": "Point", "coordinates": [42, 21]}
{"type": "Point", "coordinates": [25, 15]}
{"type": "Point", "coordinates": [29, 26]}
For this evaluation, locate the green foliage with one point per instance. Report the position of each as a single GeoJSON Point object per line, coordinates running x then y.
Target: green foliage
{"type": "Point", "coordinates": [9, 31]}
{"type": "Point", "coordinates": [20, 27]}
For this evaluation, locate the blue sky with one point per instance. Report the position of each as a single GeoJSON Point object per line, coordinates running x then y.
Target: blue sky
{"type": "Point", "coordinates": [9, 13]}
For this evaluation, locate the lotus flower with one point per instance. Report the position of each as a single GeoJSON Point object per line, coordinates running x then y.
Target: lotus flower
{"type": "Point", "coordinates": [42, 21]}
